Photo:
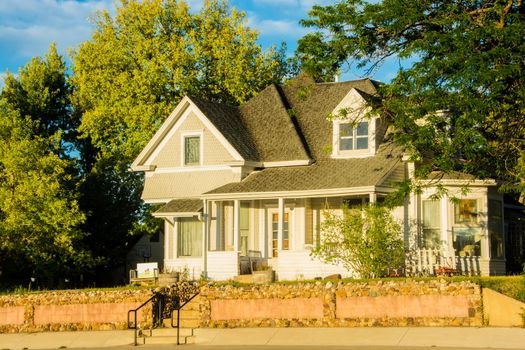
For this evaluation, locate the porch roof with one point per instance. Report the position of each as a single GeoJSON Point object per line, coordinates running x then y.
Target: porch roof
{"type": "Point", "coordinates": [324, 174]}
{"type": "Point", "coordinates": [180, 207]}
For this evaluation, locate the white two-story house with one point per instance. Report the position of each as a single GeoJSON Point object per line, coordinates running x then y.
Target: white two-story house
{"type": "Point", "coordinates": [258, 177]}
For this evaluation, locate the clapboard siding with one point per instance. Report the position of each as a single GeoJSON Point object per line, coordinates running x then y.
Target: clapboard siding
{"type": "Point", "coordinates": [222, 265]}
{"type": "Point", "coordinates": [292, 265]}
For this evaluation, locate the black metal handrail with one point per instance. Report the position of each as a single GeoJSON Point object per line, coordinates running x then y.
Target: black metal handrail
{"type": "Point", "coordinates": [178, 308]}
{"type": "Point", "coordinates": [135, 317]}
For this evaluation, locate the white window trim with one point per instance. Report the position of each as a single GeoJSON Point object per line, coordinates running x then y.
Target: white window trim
{"type": "Point", "coordinates": [355, 153]}
{"type": "Point", "coordinates": [184, 135]}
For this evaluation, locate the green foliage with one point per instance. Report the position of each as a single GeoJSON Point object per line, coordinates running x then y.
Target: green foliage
{"type": "Point", "coordinates": [139, 64]}
{"type": "Point", "coordinates": [41, 91]}
{"type": "Point", "coordinates": [39, 214]}
{"type": "Point", "coordinates": [131, 74]}
{"type": "Point", "coordinates": [367, 241]}
{"type": "Point", "coordinates": [460, 106]}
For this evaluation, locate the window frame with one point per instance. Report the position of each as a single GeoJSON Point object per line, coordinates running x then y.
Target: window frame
{"type": "Point", "coordinates": [185, 136]}
{"type": "Point", "coordinates": [351, 153]}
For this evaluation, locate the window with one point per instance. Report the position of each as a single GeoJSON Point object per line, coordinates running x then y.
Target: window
{"type": "Point", "coordinates": [467, 241]}
{"type": "Point", "coordinates": [190, 237]}
{"type": "Point", "coordinates": [431, 238]}
{"type": "Point", "coordinates": [495, 229]}
{"type": "Point", "coordinates": [192, 150]}
{"type": "Point", "coordinates": [353, 136]}
{"type": "Point", "coordinates": [275, 233]}
{"type": "Point", "coordinates": [466, 211]}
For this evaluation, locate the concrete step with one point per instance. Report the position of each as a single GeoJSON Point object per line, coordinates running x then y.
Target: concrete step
{"type": "Point", "coordinates": [184, 323]}
{"type": "Point", "coordinates": [168, 336]}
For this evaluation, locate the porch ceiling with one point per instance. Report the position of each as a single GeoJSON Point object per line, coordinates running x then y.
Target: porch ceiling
{"type": "Point", "coordinates": [180, 206]}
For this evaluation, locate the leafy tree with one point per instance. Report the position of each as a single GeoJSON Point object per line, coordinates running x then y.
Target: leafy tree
{"type": "Point", "coordinates": [460, 105]}
{"type": "Point", "coordinates": [41, 91]}
{"type": "Point", "coordinates": [130, 75]}
{"type": "Point", "coordinates": [367, 241]}
{"type": "Point", "coordinates": [139, 64]}
{"type": "Point", "coordinates": [39, 215]}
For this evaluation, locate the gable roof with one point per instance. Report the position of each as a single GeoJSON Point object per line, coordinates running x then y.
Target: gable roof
{"type": "Point", "coordinates": [272, 128]}
{"type": "Point", "coordinates": [313, 102]}
{"type": "Point", "coordinates": [280, 124]}
{"type": "Point", "coordinates": [230, 124]}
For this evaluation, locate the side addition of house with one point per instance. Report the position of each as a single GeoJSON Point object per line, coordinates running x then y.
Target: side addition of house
{"type": "Point", "coordinates": [255, 180]}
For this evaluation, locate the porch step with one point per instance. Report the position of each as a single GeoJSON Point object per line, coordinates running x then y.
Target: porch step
{"type": "Point", "coordinates": [169, 336]}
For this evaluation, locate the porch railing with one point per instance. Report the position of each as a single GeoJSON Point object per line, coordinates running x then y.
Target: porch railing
{"type": "Point", "coordinates": [429, 262]}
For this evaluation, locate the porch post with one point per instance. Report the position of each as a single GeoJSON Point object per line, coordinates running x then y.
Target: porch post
{"type": "Point", "coordinates": [205, 230]}
{"type": "Point", "coordinates": [372, 197]}
{"type": "Point", "coordinates": [236, 217]}
{"type": "Point", "coordinates": [280, 224]}
{"type": "Point", "coordinates": [218, 243]}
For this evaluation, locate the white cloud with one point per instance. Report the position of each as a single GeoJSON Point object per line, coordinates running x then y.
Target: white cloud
{"type": "Point", "coordinates": [303, 5]}
{"type": "Point", "coordinates": [271, 27]}
{"type": "Point", "coordinates": [28, 27]}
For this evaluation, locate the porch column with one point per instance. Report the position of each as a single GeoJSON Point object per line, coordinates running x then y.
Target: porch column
{"type": "Point", "coordinates": [205, 229]}
{"type": "Point", "coordinates": [218, 243]}
{"type": "Point", "coordinates": [372, 197]}
{"type": "Point", "coordinates": [280, 224]}
{"type": "Point", "coordinates": [236, 231]}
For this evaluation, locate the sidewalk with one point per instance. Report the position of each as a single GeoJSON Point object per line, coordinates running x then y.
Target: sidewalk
{"type": "Point", "coordinates": [506, 338]}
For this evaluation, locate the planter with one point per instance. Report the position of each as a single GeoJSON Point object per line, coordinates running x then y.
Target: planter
{"type": "Point", "coordinates": [262, 277]}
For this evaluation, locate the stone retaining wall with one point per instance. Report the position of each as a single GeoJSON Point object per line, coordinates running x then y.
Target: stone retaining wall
{"type": "Point", "coordinates": [71, 310]}
{"type": "Point", "coordinates": [333, 304]}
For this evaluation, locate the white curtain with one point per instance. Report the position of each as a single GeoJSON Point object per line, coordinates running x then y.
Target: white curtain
{"type": "Point", "coordinates": [190, 237]}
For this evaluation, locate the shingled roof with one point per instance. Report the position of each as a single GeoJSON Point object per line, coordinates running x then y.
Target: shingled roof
{"type": "Point", "coordinates": [324, 174]}
{"type": "Point", "coordinates": [175, 206]}
{"type": "Point", "coordinates": [312, 103]}
{"type": "Point", "coordinates": [228, 121]}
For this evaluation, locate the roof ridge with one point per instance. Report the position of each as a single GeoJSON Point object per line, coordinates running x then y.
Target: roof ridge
{"type": "Point", "coordinates": [293, 119]}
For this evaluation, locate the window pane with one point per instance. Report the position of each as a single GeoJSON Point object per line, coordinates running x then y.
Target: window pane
{"type": "Point", "coordinates": [346, 144]}
{"type": "Point", "coordinates": [466, 211]}
{"type": "Point", "coordinates": [362, 143]}
{"type": "Point", "coordinates": [192, 150]}
{"type": "Point", "coordinates": [431, 224]}
{"type": "Point", "coordinates": [190, 237]}
{"type": "Point", "coordinates": [362, 129]}
{"type": "Point", "coordinates": [467, 241]}
{"type": "Point", "coordinates": [346, 137]}
{"type": "Point", "coordinates": [495, 229]}
{"type": "Point", "coordinates": [345, 130]}
{"type": "Point", "coordinates": [431, 214]}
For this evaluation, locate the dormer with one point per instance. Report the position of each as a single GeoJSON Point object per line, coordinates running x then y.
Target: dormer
{"type": "Point", "coordinates": [354, 131]}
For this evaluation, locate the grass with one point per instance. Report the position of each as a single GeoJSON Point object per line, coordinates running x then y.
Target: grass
{"type": "Point", "coordinates": [20, 290]}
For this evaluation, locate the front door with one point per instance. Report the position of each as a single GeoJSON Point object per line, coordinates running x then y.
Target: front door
{"type": "Point", "coordinates": [273, 232]}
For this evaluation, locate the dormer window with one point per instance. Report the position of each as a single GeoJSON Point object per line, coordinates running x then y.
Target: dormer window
{"type": "Point", "coordinates": [353, 137]}
{"type": "Point", "coordinates": [192, 149]}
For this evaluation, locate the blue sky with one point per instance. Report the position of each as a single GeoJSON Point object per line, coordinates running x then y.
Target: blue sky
{"type": "Point", "coordinates": [27, 27]}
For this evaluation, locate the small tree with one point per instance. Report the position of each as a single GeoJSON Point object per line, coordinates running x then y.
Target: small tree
{"type": "Point", "coordinates": [365, 240]}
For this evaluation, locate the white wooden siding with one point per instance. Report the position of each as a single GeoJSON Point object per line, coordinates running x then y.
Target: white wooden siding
{"type": "Point", "coordinates": [294, 265]}
{"type": "Point", "coordinates": [223, 265]}
{"type": "Point", "coordinates": [214, 153]}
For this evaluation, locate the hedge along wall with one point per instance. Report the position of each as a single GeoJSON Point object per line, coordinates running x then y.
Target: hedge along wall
{"type": "Point", "coordinates": [71, 310]}
{"type": "Point", "coordinates": [336, 304]}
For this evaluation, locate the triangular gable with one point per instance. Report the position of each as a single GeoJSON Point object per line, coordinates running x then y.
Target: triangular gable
{"type": "Point", "coordinates": [356, 104]}
{"type": "Point", "coordinates": [170, 126]}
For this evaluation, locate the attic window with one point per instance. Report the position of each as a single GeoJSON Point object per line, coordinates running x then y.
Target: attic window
{"type": "Point", "coordinates": [353, 137]}
{"type": "Point", "coordinates": [192, 150]}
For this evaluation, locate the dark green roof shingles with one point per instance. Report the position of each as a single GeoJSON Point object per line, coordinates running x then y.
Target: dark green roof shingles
{"type": "Point", "coordinates": [186, 205]}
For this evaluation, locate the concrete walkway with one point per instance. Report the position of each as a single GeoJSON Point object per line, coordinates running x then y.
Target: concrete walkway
{"type": "Point", "coordinates": [503, 338]}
